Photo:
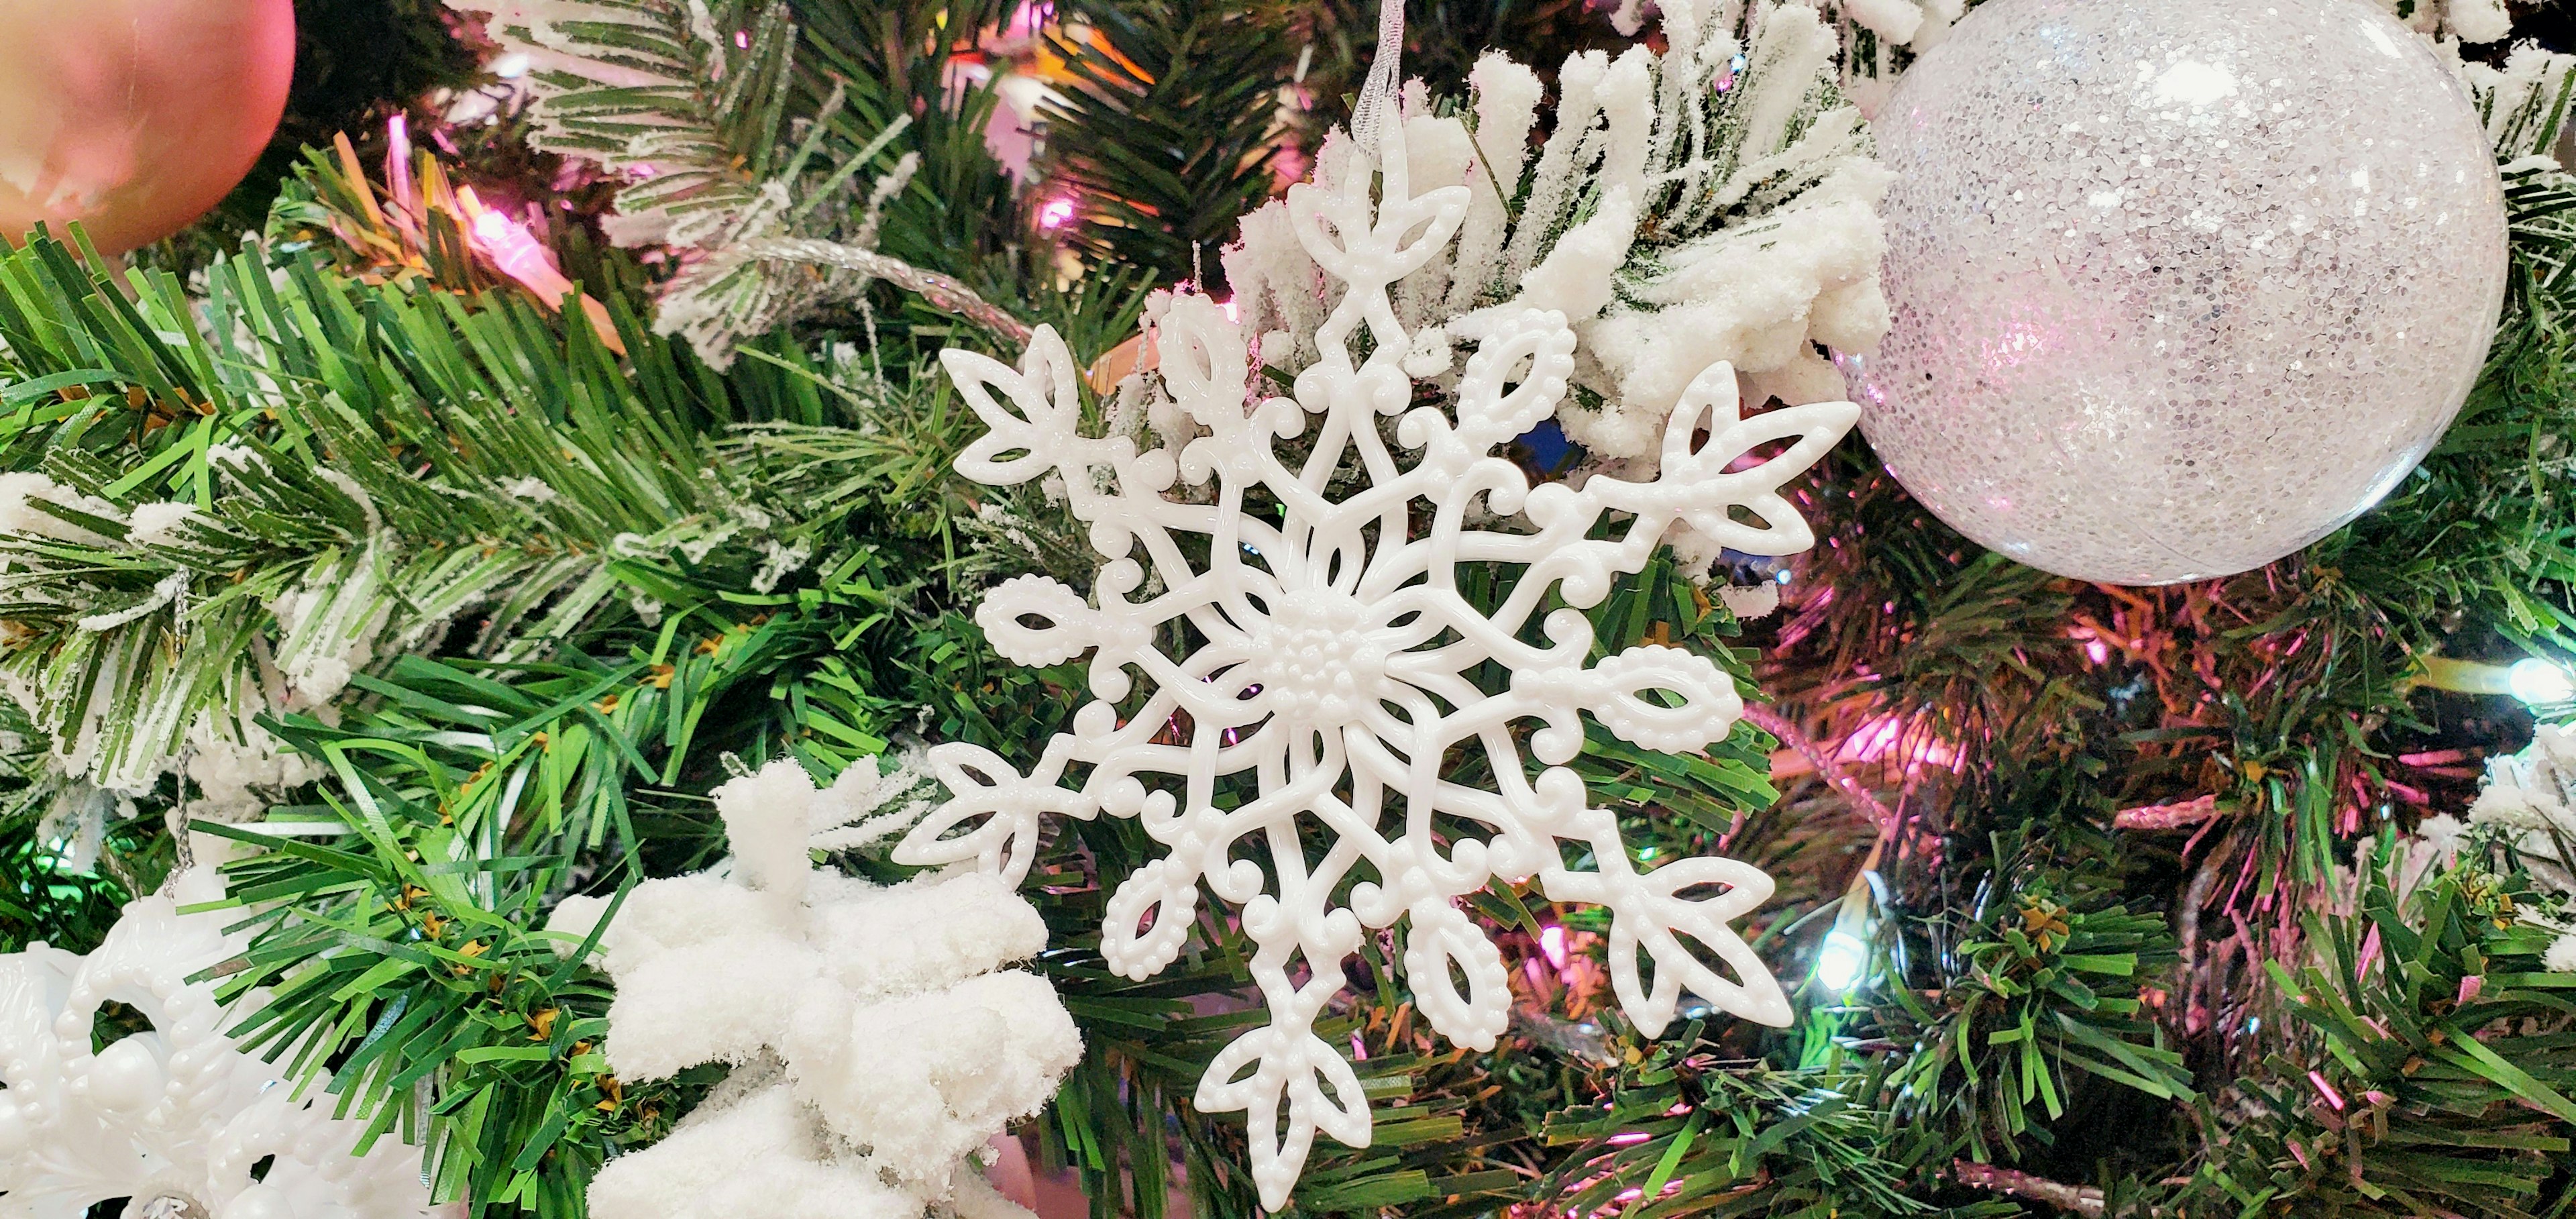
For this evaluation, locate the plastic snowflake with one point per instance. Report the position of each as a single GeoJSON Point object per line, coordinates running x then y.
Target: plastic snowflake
{"type": "Point", "coordinates": [1334, 661]}
{"type": "Point", "coordinates": [172, 1118]}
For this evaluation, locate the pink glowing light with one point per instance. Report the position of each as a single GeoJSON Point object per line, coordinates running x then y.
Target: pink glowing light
{"type": "Point", "coordinates": [1359, 1051]}
{"type": "Point", "coordinates": [1630, 1139]}
{"type": "Point", "coordinates": [1029, 21]}
{"type": "Point", "coordinates": [1892, 738]}
{"type": "Point", "coordinates": [742, 39]}
{"type": "Point", "coordinates": [2097, 650]}
{"type": "Point", "coordinates": [516, 252]}
{"type": "Point", "coordinates": [398, 160]}
{"type": "Point", "coordinates": [1055, 213]}
{"type": "Point", "coordinates": [1551, 943]}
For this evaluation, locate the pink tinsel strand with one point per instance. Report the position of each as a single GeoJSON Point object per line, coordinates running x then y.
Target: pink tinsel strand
{"type": "Point", "coordinates": [2326, 1090]}
{"type": "Point", "coordinates": [1768, 721]}
{"type": "Point", "coordinates": [2081, 1199]}
{"type": "Point", "coordinates": [2167, 816]}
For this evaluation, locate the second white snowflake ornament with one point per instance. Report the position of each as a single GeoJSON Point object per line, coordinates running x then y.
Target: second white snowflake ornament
{"type": "Point", "coordinates": [1335, 657]}
{"type": "Point", "coordinates": [175, 1117]}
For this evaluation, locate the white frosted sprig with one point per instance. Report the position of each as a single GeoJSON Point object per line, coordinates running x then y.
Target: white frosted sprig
{"type": "Point", "coordinates": [2530, 797]}
{"type": "Point", "coordinates": [878, 1039]}
{"type": "Point", "coordinates": [1714, 202]}
{"type": "Point", "coordinates": [767, 223]}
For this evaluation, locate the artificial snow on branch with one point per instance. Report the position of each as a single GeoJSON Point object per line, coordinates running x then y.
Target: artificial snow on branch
{"type": "Point", "coordinates": [687, 102]}
{"type": "Point", "coordinates": [876, 1040]}
{"type": "Point", "coordinates": [152, 634]}
{"type": "Point", "coordinates": [2526, 105]}
{"type": "Point", "coordinates": [1712, 203]}
{"type": "Point", "coordinates": [2529, 797]}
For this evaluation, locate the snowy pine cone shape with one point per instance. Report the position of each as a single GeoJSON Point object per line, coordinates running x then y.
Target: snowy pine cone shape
{"type": "Point", "coordinates": [1334, 659]}
{"type": "Point", "coordinates": [174, 1112]}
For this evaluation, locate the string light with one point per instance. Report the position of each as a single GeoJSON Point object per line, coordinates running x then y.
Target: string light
{"type": "Point", "coordinates": [1842, 961]}
{"type": "Point", "coordinates": [2540, 683]}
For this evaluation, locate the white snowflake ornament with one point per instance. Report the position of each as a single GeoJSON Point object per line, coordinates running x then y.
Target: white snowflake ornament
{"type": "Point", "coordinates": [1305, 629]}
{"type": "Point", "coordinates": [174, 1114]}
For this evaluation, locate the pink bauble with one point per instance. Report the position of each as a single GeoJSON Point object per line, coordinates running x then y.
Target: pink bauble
{"type": "Point", "coordinates": [134, 116]}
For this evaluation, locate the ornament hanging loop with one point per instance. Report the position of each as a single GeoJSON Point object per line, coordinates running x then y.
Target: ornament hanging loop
{"type": "Point", "coordinates": [1377, 102]}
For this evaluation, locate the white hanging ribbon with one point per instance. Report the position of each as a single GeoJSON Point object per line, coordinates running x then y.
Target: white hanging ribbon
{"type": "Point", "coordinates": [1378, 103]}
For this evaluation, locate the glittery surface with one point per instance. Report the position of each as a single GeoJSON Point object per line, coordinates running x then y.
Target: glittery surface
{"type": "Point", "coordinates": [2180, 286]}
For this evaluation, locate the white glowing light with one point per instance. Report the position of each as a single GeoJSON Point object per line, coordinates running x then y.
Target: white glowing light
{"type": "Point", "coordinates": [2539, 682]}
{"type": "Point", "coordinates": [1840, 963]}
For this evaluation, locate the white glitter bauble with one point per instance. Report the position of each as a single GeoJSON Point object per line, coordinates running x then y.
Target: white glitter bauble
{"type": "Point", "coordinates": [2179, 287]}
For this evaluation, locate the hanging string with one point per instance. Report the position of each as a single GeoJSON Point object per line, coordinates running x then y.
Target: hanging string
{"type": "Point", "coordinates": [1377, 103]}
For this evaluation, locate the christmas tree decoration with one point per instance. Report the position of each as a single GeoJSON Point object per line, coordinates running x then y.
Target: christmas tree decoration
{"type": "Point", "coordinates": [2180, 288]}
{"type": "Point", "coordinates": [1715, 203]}
{"type": "Point", "coordinates": [1340, 655]}
{"type": "Point", "coordinates": [874, 1044]}
{"type": "Point", "coordinates": [756, 649]}
{"type": "Point", "coordinates": [2531, 796]}
{"type": "Point", "coordinates": [171, 1115]}
{"type": "Point", "coordinates": [133, 117]}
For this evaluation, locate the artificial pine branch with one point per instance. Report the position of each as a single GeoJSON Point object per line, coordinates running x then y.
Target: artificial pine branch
{"type": "Point", "coordinates": [1165, 136]}
{"type": "Point", "coordinates": [692, 105]}
{"type": "Point", "coordinates": [2429, 1069]}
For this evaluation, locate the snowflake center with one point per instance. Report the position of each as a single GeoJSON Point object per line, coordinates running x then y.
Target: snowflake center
{"type": "Point", "coordinates": [1320, 663]}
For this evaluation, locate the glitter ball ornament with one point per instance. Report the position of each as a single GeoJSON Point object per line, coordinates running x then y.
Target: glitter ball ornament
{"type": "Point", "coordinates": [2179, 287]}
{"type": "Point", "coordinates": [134, 116]}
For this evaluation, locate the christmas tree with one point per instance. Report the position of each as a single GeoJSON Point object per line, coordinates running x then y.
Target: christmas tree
{"type": "Point", "coordinates": [1206, 607]}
